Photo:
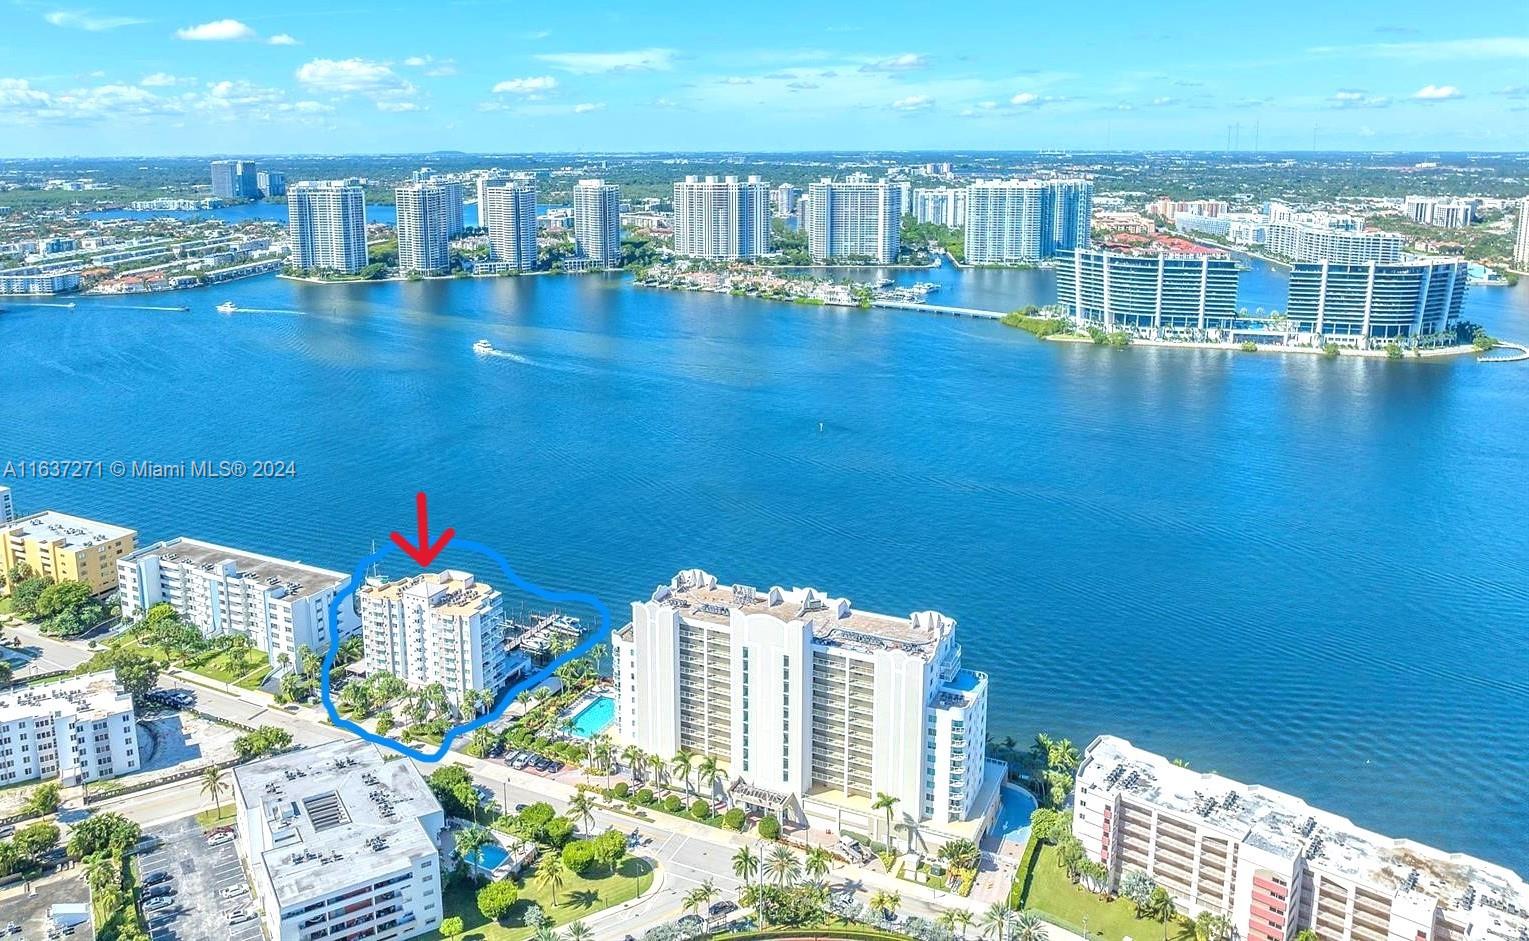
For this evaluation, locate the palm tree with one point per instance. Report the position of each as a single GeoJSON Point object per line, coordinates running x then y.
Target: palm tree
{"type": "Point", "coordinates": [682, 762]}
{"type": "Point", "coordinates": [470, 700]}
{"type": "Point", "coordinates": [550, 874]}
{"type": "Point", "coordinates": [469, 841]}
{"type": "Point", "coordinates": [963, 918]}
{"type": "Point", "coordinates": [604, 752]}
{"type": "Point", "coordinates": [885, 801]}
{"type": "Point", "coordinates": [1027, 926]}
{"type": "Point", "coordinates": [577, 931]}
{"type": "Point", "coordinates": [581, 809]}
{"type": "Point", "coordinates": [886, 903]}
{"type": "Point", "coordinates": [283, 660]}
{"type": "Point", "coordinates": [745, 864]}
{"type": "Point", "coordinates": [700, 897]}
{"type": "Point", "coordinates": [995, 921]}
{"type": "Point", "coordinates": [213, 783]}
{"type": "Point", "coordinates": [656, 764]}
{"type": "Point", "coordinates": [1160, 908]}
{"type": "Point", "coordinates": [783, 865]}
{"type": "Point", "coordinates": [947, 920]}
{"type": "Point", "coordinates": [819, 861]}
{"type": "Point", "coordinates": [635, 759]}
{"type": "Point", "coordinates": [756, 896]}
{"type": "Point", "coordinates": [707, 773]}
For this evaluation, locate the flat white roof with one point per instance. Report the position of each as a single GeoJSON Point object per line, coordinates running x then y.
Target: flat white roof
{"type": "Point", "coordinates": [298, 580]}
{"type": "Point", "coordinates": [75, 532]}
{"type": "Point", "coordinates": [92, 696]}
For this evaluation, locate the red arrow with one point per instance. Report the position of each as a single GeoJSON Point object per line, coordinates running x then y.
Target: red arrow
{"type": "Point", "coordinates": [425, 552]}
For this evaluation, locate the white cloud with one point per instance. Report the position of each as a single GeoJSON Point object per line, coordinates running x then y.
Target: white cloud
{"type": "Point", "coordinates": [72, 19]}
{"type": "Point", "coordinates": [1164, 101]}
{"type": "Point", "coordinates": [283, 39]}
{"type": "Point", "coordinates": [594, 63]}
{"type": "Point", "coordinates": [397, 106]}
{"type": "Point", "coordinates": [529, 85]}
{"type": "Point", "coordinates": [913, 103]}
{"type": "Point", "coordinates": [415, 62]}
{"type": "Point", "coordinates": [159, 80]}
{"type": "Point", "coordinates": [586, 107]}
{"type": "Point", "coordinates": [1357, 98]}
{"type": "Point", "coordinates": [906, 62]}
{"type": "Point", "coordinates": [351, 76]}
{"type": "Point", "coordinates": [1489, 47]}
{"type": "Point", "coordinates": [217, 31]}
{"type": "Point", "coordinates": [1437, 93]}
{"type": "Point", "coordinates": [20, 102]}
{"type": "Point", "coordinates": [1025, 98]}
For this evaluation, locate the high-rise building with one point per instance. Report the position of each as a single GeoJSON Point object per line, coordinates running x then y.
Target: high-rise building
{"type": "Point", "coordinates": [271, 183]}
{"type": "Point", "coordinates": [235, 179]}
{"type": "Point", "coordinates": [1372, 303]}
{"type": "Point", "coordinates": [508, 211]}
{"type": "Point", "coordinates": [341, 843]}
{"type": "Point", "coordinates": [1444, 212]}
{"type": "Point", "coordinates": [280, 606]}
{"type": "Point", "coordinates": [425, 218]}
{"type": "Point", "coordinates": [1275, 866]}
{"type": "Point", "coordinates": [1158, 294]}
{"type": "Point", "coordinates": [1521, 242]}
{"type": "Point", "coordinates": [327, 225]}
{"type": "Point", "coordinates": [811, 706]}
{"type": "Point", "coordinates": [73, 730]}
{"type": "Point", "coordinates": [1072, 214]}
{"type": "Point", "coordinates": [440, 627]}
{"type": "Point", "coordinates": [783, 200]}
{"type": "Point", "coordinates": [7, 508]}
{"type": "Point", "coordinates": [1169, 209]}
{"type": "Point", "coordinates": [597, 222]}
{"type": "Point", "coordinates": [1026, 221]}
{"type": "Point", "coordinates": [723, 218]}
{"type": "Point", "coordinates": [60, 548]}
{"type": "Point", "coordinates": [853, 219]}
{"type": "Point", "coordinates": [1333, 240]}
{"type": "Point", "coordinates": [942, 205]}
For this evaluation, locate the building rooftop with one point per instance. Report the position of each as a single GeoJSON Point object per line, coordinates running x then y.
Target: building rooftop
{"type": "Point", "coordinates": [1489, 895]}
{"type": "Point", "coordinates": [92, 696]}
{"type": "Point", "coordinates": [334, 811]}
{"type": "Point", "coordinates": [448, 592]}
{"type": "Point", "coordinates": [834, 621]}
{"type": "Point", "coordinates": [73, 532]}
{"type": "Point", "coordinates": [287, 579]}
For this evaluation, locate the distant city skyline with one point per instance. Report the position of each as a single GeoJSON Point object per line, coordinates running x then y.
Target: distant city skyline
{"type": "Point", "coordinates": [166, 78]}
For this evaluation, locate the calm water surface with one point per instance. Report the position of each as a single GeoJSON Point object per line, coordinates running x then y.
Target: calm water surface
{"type": "Point", "coordinates": [1307, 573]}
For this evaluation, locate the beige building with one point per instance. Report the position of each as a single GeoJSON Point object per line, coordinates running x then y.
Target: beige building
{"type": "Point", "coordinates": [61, 547]}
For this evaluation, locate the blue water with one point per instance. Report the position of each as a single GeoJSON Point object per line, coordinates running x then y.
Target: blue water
{"type": "Point", "coordinates": [488, 857]}
{"type": "Point", "coordinates": [1013, 820]}
{"type": "Point", "coordinates": [1304, 573]}
{"type": "Point", "coordinates": [595, 717]}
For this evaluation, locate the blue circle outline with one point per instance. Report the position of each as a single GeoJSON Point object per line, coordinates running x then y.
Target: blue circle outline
{"type": "Point", "coordinates": [600, 634]}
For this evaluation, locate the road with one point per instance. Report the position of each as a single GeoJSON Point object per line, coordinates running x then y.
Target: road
{"type": "Point", "coordinates": [686, 853]}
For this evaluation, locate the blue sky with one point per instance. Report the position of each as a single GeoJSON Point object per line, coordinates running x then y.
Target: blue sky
{"type": "Point", "coordinates": [488, 75]}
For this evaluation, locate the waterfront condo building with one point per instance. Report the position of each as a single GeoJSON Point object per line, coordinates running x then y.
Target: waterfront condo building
{"type": "Point", "coordinates": [235, 179]}
{"type": "Point", "coordinates": [1275, 865]}
{"type": "Point", "coordinates": [723, 218]}
{"type": "Point", "coordinates": [1521, 240]}
{"type": "Point", "coordinates": [327, 225]}
{"type": "Point", "coordinates": [340, 843]}
{"type": "Point", "coordinates": [1444, 212]}
{"type": "Point", "coordinates": [1169, 209]}
{"type": "Point", "coordinates": [1333, 241]}
{"type": "Point", "coordinates": [7, 507]}
{"type": "Point", "coordinates": [1156, 294]}
{"type": "Point", "coordinates": [280, 606]}
{"type": "Point", "coordinates": [60, 547]}
{"type": "Point", "coordinates": [1369, 304]}
{"type": "Point", "coordinates": [73, 730]}
{"type": "Point", "coordinates": [856, 218]}
{"type": "Point", "coordinates": [944, 205]}
{"type": "Point", "coordinates": [812, 708]}
{"type": "Point", "coordinates": [597, 222]}
{"type": "Point", "coordinates": [783, 200]}
{"type": "Point", "coordinates": [271, 183]}
{"type": "Point", "coordinates": [425, 220]}
{"type": "Point", "coordinates": [440, 627]}
{"type": "Point", "coordinates": [1026, 221]}
{"type": "Point", "coordinates": [507, 210]}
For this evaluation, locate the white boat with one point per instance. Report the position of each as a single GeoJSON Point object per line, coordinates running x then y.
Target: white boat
{"type": "Point", "coordinates": [227, 307]}
{"type": "Point", "coordinates": [483, 347]}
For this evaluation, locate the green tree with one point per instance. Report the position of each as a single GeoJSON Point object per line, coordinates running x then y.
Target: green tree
{"type": "Point", "coordinates": [782, 864]}
{"type": "Point", "coordinates": [1027, 926]}
{"type": "Point", "coordinates": [497, 898]}
{"type": "Point", "coordinates": [995, 921]}
{"type": "Point", "coordinates": [43, 799]}
{"type": "Point", "coordinates": [213, 783]}
{"type": "Point", "coordinates": [453, 926]}
{"type": "Point", "coordinates": [745, 864]}
{"type": "Point", "coordinates": [819, 861]}
{"type": "Point", "coordinates": [886, 802]}
{"type": "Point", "coordinates": [581, 809]}
{"type": "Point", "coordinates": [469, 841]}
{"type": "Point", "coordinates": [886, 903]}
{"type": "Point", "coordinates": [1160, 908]}
{"type": "Point", "coordinates": [682, 763]}
{"type": "Point", "coordinates": [103, 832]}
{"type": "Point", "coordinates": [35, 839]}
{"type": "Point", "coordinates": [769, 827]}
{"type": "Point", "coordinates": [551, 873]}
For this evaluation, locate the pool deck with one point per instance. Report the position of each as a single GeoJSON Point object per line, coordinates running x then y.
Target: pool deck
{"type": "Point", "coordinates": [583, 703]}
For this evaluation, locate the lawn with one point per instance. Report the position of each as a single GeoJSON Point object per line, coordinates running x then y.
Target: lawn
{"type": "Point", "coordinates": [578, 898]}
{"type": "Point", "coordinates": [1042, 884]}
{"type": "Point", "coordinates": [212, 817]}
{"type": "Point", "coordinates": [221, 667]}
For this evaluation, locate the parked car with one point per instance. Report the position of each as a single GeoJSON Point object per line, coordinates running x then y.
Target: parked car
{"type": "Point", "coordinates": [241, 915]}
{"type": "Point", "coordinates": [230, 891]}
{"type": "Point", "coordinates": [159, 891]}
{"type": "Point", "coordinates": [155, 878]}
{"type": "Point", "coordinates": [154, 905]}
{"type": "Point", "coordinates": [218, 839]}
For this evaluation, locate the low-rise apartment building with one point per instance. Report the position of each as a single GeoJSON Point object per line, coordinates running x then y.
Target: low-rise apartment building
{"type": "Point", "coordinates": [74, 730]}
{"type": "Point", "coordinates": [812, 707]}
{"type": "Point", "coordinates": [1275, 865]}
{"type": "Point", "coordinates": [60, 547]}
{"type": "Point", "coordinates": [340, 844]}
{"type": "Point", "coordinates": [280, 606]}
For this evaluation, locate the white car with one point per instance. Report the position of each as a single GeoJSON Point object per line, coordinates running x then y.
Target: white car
{"type": "Point", "coordinates": [231, 891]}
{"type": "Point", "coordinates": [241, 915]}
{"type": "Point", "coordinates": [218, 839]}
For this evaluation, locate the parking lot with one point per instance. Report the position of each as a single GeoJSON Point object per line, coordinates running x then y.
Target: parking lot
{"type": "Point", "coordinates": [198, 873]}
{"type": "Point", "coordinates": [29, 909]}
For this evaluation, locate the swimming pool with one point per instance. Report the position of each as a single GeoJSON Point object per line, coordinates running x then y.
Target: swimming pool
{"type": "Point", "coordinates": [490, 856]}
{"type": "Point", "coordinates": [1015, 805]}
{"type": "Point", "coordinates": [595, 717]}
